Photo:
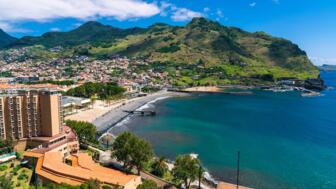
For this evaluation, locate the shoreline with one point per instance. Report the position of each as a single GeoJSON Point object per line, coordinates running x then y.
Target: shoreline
{"type": "Point", "coordinates": [104, 117]}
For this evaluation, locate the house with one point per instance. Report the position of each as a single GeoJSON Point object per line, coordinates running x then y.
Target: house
{"type": "Point", "coordinates": [72, 105]}
{"type": "Point", "coordinates": [58, 160]}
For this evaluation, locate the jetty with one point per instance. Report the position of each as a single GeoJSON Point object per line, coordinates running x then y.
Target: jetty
{"type": "Point", "coordinates": [201, 91]}
{"type": "Point", "coordinates": [141, 112]}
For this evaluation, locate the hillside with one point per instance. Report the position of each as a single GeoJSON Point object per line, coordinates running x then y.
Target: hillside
{"type": "Point", "coordinates": [202, 49]}
{"type": "Point", "coordinates": [90, 32]}
{"type": "Point", "coordinates": [5, 39]}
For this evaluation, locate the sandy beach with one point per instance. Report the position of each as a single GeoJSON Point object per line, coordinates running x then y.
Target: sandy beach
{"type": "Point", "coordinates": [104, 116]}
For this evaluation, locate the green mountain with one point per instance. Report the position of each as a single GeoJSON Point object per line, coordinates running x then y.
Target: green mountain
{"type": "Point", "coordinates": [5, 39]}
{"type": "Point", "coordinates": [203, 51]}
{"type": "Point", "coordinates": [90, 32]}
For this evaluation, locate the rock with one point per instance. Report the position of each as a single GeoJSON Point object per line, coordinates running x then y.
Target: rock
{"type": "Point", "coordinates": [316, 84]}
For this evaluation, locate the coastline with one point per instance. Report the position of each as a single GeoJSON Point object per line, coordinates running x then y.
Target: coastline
{"type": "Point", "coordinates": [104, 117]}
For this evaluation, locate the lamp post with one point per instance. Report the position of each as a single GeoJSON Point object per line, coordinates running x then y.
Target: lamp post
{"type": "Point", "coordinates": [238, 167]}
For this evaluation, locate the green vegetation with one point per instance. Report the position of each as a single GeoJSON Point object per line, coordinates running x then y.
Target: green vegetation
{"type": "Point", "coordinates": [6, 146]}
{"type": "Point", "coordinates": [65, 82]}
{"type": "Point", "coordinates": [159, 167]}
{"type": "Point", "coordinates": [132, 151]}
{"type": "Point", "coordinates": [128, 147]}
{"type": "Point", "coordinates": [5, 39]}
{"type": "Point", "coordinates": [91, 32]}
{"type": "Point", "coordinates": [90, 184]}
{"type": "Point", "coordinates": [6, 74]}
{"type": "Point", "coordinates": [101, 90]}
{"type": "Point", "coordinates": [186, 170]}
{"type": "Point", "coordinates": [12, 175]}
{"type": "Point", "coordinates": [86, 131]}
{"type": "Point", "coordinates": [6, 182]}
{"type": "Point", "coordinates": [201, 53]}
{"type": "Point", "coordinates": [148, 184]}
{"type": "Point", "coordinates": [3, 167]}
{"type": "Point", "coordinates": [169, 49]}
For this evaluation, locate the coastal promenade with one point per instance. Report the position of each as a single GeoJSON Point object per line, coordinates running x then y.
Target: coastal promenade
{"type": "Point", "coordinates": [104, 116]}
{"type": "Point", "coordinates": [117, 114]}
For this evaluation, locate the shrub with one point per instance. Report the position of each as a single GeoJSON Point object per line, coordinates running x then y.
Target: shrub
{"type": "Point", "coordinates": [3, 167]}
{"type": "Point", "coordinates": [106, 187]}
{"type": "Point", "coordinates": [148, 184]}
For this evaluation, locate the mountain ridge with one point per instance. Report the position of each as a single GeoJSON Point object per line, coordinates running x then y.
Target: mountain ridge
{"type": "Point", "coordinates": [202, 45]}
{"type": "Point", "coordinates": [5, 38]}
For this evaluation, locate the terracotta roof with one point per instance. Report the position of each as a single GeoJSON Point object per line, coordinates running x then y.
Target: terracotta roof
{"type": "Point", "coordinates": [32, 154]}
{"type": "Point", "coordinates": [86, 169]}
{"type": "Point", "coordinates": [21, 86]}
{"type": "Point", "coordinates": [225, 185]}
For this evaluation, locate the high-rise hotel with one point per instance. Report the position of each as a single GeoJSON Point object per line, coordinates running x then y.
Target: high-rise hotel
{"type": "Point", "coordinates": [28, 113]}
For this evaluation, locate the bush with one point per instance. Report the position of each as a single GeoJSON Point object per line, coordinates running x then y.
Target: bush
{"type": "Point", "coordinates": [86, 131]}
{"type": "Point", "coordinates": [3, 167]}
{"type": "Point", "coordinates": [102, 90]}
{"type": "Point", "coordinates": [106, 187]}
{"type": "Point", "coordinates": [148, 184]}
{"type": "Point", "coordinates": [16, 169]}
{"type": "Point", "coordinates": [22, 176]}
{"type": "Point", "coordinates": [169, 49]}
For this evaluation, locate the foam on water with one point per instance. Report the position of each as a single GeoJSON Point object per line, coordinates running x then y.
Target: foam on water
{"type": "Point", "coordinates": [120, 127]}
{"type": "Point", "coordinates": [150, 103]}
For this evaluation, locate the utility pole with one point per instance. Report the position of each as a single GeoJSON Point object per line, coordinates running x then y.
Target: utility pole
{"type": "Point", "coordinates": [238, 167]}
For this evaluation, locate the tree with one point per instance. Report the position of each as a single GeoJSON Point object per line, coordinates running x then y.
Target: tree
{"type": "Point", "coordinates": [100, 90]}
{"type": "Point", "coordinates": [6, 182]}
{"type": "Point", "coordinates": [93, 184]}
{"type": "Point", "coordinates": [147, 184]}
{"type": "Point", "coordinates": [121, 148]}
{"type": "Point", "coordinates": [160, 167]}
{"type": "Point", "coordinates": [186, 170]}
{"type": "Point", "coordinates": [132, 151]}
{"type": "Point", "coordinates": [86, 131]}
{"type": "Point", "coordinates": [142, 152]}
{"type": "Point", "coordinates": [6, 146]}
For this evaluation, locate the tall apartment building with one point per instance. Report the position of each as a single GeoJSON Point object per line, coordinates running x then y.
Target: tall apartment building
{"type": "Point", "coordinates": [30, 113]}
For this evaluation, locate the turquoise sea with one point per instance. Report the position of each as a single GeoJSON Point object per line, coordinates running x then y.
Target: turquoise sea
{"type": "Point", "coordinates": [285, 140]}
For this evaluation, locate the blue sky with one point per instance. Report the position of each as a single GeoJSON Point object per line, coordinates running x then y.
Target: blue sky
{"type": "Point", "coordinates": [309, 23]}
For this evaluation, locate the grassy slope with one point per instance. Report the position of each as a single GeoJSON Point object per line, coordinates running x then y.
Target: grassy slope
{"type": "Point", "coordinates": [237, 55]}
{"type": "Point", "coordinates": [217, 46]}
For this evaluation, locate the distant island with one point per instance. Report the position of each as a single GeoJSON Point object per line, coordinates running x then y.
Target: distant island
{"type": "Point", "coordinates": [202, 53]}
{"type": "Point", "coordinates": [326, 67]}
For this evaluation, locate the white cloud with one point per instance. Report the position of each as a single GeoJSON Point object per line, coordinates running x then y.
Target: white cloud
{"type": "Point", "coordinates": [165, 7]}
{"type": "Point", "coordinates": [42, 10]}
{"type": "Point", "coordinates": [183, 14]}
{"type": "Point", "coordinates": [15, 12]}
{"type": "Point", "coordinates": [206, 9]}
{"type": "Point", "coordinates": [321, 61]}
{"type": "Point", "coordinates": [7, 27]}
{"type": "Point", "coordinates": [219, 13]}
{"type": "Point", "coordinates": [55, 29]}
{"type": "Point", "coordinates": [253, 4]}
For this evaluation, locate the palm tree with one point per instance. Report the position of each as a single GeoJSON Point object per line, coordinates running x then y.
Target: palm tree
{"type": "Point", "coordinates": [160, 167]}
{"type": "Point", "coordinates": [93, 99]}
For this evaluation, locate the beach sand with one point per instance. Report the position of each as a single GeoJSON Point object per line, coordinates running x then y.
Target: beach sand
{"type": "Point", "coordinates": [103, 116]}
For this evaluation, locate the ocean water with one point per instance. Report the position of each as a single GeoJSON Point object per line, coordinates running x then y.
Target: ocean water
{"type": "Point", "coordinates": [285, 140]}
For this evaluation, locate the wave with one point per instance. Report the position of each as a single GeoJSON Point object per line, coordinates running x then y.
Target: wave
{"type": "Point", "coordinates": [148, 104]}
{"type": "Point", "coordinates": [209, 177]}
{"type": "Point", "coordinates": [120, 127]}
